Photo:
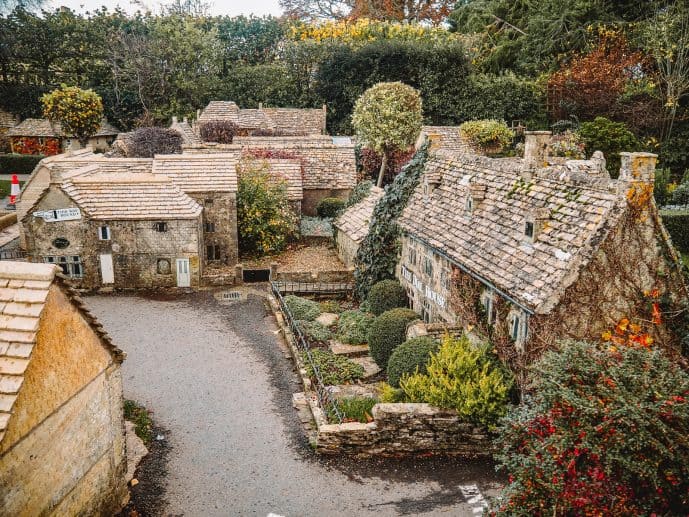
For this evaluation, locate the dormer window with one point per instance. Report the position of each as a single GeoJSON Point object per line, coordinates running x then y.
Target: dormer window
{"type": "Point", "coordinates": [529, 229]}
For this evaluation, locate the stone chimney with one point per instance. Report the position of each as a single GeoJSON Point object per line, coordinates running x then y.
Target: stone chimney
{"type": "Point", "coordinates": [434, 141]}
{"type": "Point", "coordinates": [260, 105]}
{"type": "Point", "coordinates": [174, 119]}
{"type": "Point", "coordinates": [185, 119]}
{"type": "Point", "coordinates": [535, 151]}
{"type": "Point", "coordinates": [638, 167]}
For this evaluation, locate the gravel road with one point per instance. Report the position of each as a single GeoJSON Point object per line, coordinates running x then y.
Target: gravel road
{"type": "Point", "coordinates": [220, 385]}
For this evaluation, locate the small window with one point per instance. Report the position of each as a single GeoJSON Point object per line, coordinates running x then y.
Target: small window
{"type": "Point", "coordinates": [71, 266]}
{"type": "Point", "coordinates": [428, 266]}
{"type": "Point", "coordinates": [529, 229]}
{"type": "Point", "coordinates": [163, 267]}
{"type": "Point", "coordinates": [469, 205]}
{"type": "Point", "coordinates": [104, 233]}
{"type": "Point", "coordinates": [212, 252]}
{"type": "Point", "coordinates": [208, 201]}
{"type": "Point", "coordinates": [160, 226]}
{"type": "Point", "coordinates": [426, 312]}
{"type": "Point", "coordinates": [209, 227]}
{"type": "Point", "coordinates": [412, 256]}
{"type": "Point", "coordinates": [488, 303]}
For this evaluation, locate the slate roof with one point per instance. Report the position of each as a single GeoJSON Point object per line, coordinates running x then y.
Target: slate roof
{"type": "Point", "coordinates": [200, 172]}
{"type": "Point", "coordinates": [290, 171]}
{"type": "Point", "coordinates": [354, 221]}
{"type": "Point", "coordinates": [448, 138]}
{"type": "Point", "coordinates": [8, 119]}
{"type": "Point", "coordinates": [189, 137]}
{"type": "Point", "coordinates": [43, 127]}
{"type": "Point", "coordinates": [24, 290]}
{"type": "Point", "coordinates": [296, 121]}
{"type": "Point", "coordinates": [131, 196]}
{"type": "Point", "coordinates": [490, 241]}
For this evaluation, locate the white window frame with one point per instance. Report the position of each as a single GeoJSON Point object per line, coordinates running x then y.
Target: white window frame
{"type": "Point", "coordinates": [104, 235]}
{"type": "Point", "coordinates": [488, 302]}
{"type": "Point", "coordinates": [428, 266]}
{"type": "Point", "coordinates": [71, 265]}
{"type": "Point", "coordinates": [469, 205]}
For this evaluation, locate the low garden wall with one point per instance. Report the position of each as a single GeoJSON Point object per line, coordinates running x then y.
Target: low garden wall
{"type": "Point", "coordinates": [405, 429]}
{"type": "Point", "coordinates": [397, 429]}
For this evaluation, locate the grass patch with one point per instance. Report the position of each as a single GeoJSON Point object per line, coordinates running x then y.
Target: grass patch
{"type": "Point", "coordinates": [355, 409]}
{"type": "Point", "coordinates": [139, 416]}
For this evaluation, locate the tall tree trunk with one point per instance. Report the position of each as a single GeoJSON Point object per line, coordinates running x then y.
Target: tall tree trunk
{"type": "Point", "coordinates": [383, 166]}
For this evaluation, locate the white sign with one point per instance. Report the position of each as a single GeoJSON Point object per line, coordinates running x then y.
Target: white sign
{"type": "Point", "coordinates": [61, 214]}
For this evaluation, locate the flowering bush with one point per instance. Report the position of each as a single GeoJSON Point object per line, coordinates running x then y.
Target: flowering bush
{"type": "Point", "coordinates": [80, 112]}
{"type": "Point", "coordinates": [568, 145]}
{"type": "Point", "coordinates": [489, 136]}
{"type": "Point", "coordinates": [364, 30]}
{"type": "Point", "coordinates": [264, 218]}
{"type": "Point", "coordinates": [604, 432]}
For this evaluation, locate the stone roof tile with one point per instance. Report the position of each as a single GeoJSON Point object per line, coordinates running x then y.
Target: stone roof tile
{"type": "Point", "coordinates": [354, 221]}
{"type": "Point", "coordinates": [200, 172]}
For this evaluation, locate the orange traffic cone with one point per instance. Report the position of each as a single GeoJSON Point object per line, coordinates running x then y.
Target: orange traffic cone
{"type": "Point", "coordinates": [14, 189]}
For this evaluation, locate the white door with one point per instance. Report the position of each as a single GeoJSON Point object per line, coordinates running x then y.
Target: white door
{"type": "Point", "coordinates": [183, 275]}
{"type": "Point", "coordinates": [107, 272]}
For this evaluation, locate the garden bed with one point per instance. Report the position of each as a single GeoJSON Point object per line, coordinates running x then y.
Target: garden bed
{"type": "Point", "coordinates": [382, 429]}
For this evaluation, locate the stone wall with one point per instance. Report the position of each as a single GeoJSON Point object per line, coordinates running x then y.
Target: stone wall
{"type": "Point", "coordinates": [136, 247]}
{"type": "Point", "coordinates": [405, 429]}
{"type": "Point", "coordinates": [220, 209]}
{"type": "Point", "coordinates": [347, 248]}
{"type": "Point", "coordinates": [314, 196]}
{"type": "Point", "coordinates": [63, 453]}
{"type": "Point", "coordinates": [429, 295]}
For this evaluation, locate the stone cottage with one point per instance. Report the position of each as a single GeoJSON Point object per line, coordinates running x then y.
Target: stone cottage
{"type": "Point", "coordinates": [189, 137]}
{"type": "Point", "coordinates": [328, 164]}
{"type": "Point", "coordinates": [526, 253]}
{"type": "Point", "coordinates": [62, 447]}
{"type": "Point", "coordinates": [40, 136]}
{"type": "Point", "coordinates": [7, 120]}
{"type": "Point", "coordinates": [289, 172]}
{"type": "Point", "coordinates": [352, 226]}
{"type": "Point", "coordinates": [278, 121]}
{"type": "Point", "coordinates": [442, 137]}
{"type": "Point", "coordinates": [211, 180]}
{"type": "Point", "coordinates": [107, 226]}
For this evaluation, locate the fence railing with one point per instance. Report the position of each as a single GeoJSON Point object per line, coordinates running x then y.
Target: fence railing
{"type": "Point", "coordinates": [326, 400]}
{"type": "Point", "coordinates": [314, 287]}
{"type": "Point", "coordinates": [12, 255]}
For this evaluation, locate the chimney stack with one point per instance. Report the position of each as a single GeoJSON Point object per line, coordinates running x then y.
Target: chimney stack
{"type": "Point", "coordinates": [260, 105]}
{"type": "Point", "coordinates": [536, 145]}
{"type": "Point", "coordinates": [638, 167]}
{"type": "Point", "coordinates": [174, 120]}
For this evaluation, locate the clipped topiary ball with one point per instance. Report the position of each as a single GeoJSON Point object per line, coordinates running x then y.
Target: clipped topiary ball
{"type": "Point", "coordinates": [330, 207]}
{"type": "Point", "coordinates": [386, 295]}
{"type": "Point", "coordinates": [388, 331]}
{"type": "Point", "coordinates": [409, 358]}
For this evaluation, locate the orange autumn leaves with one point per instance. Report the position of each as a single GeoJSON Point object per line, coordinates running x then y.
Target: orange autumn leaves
{"type": "Point", "coordinates": [627, 333]}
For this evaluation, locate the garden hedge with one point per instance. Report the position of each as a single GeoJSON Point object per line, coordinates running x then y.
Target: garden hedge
{"type": "Point", "coordinates": [353, 327]}
{"type": "Point", "coordinates": [409, 358]}
{"type": "Point", "coordinates": [302, 308]}
{"type": "Point", "coordinates": [330, 207]}
{"type": "Point", "coordinates": [388, 331]}
{"type": "Point", "coordinates": [677, 225]}
{"type": "Point", "coordinates": [19, 163]}
{"type": "Point", "coordinates": [386, 295]}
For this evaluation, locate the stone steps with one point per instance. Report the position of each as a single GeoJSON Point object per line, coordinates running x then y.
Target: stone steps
{"type": "Point", "coordinates": [348, 350]}
{"type": "Point", "coordinates": [370, 367]}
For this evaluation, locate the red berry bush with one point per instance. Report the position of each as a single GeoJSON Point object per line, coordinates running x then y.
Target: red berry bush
{"type": "Point", "coordinates": [605, 431]}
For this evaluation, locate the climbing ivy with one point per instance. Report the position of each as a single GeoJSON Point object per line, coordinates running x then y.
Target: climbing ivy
{"type": "Point", "coordinates": [377, 255]}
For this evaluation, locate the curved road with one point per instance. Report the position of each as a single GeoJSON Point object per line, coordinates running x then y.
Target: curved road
{"type": "Point", "coordinates": [218, 381]}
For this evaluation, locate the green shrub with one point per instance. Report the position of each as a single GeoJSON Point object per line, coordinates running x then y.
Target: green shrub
{"type": "Point", "coordinates": [677, 224]}
{"type": "Point", "coordinates": [661, 187]}
{"type": "Point", "coordinates": [329, 207]}
{"type": "Point", "coordinates": [679, 196]}
{"type": "Point", "coordinates": [355, 409]}
{"type": "Point", "coordinates": [462, 377]}
{"type": "Point", "coordinates": [335, 369]}
{"type": "Point", "coordinates": [301, 308]}
{"type": "Point", "coordinates": [388, 394]}
{"type": "Point", "coordinates": [603, 432]}
{"type": "Point", "coordinates": [353, 327]}
{"type": "Point", "coordinates": [387, 332]}
{"type": "Point", "coordinates": [18, 163]}
{"type": "Point", "coordinates": [332, 306]}
{"type": "Point", "coordinates": [314, 331]}
{"type": "Point", "coordinates": [386, 295]}
{"type": "Point", "coordinates": [139, 416]}
{"type": "Point", "coordinates": [611, 138]}
{"type": "Point", "coordinates": [360, 192]}
{"type": "Point", "coordinates": [487, 135]}
{"type": "Point", "coordinates": [409, 358]}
